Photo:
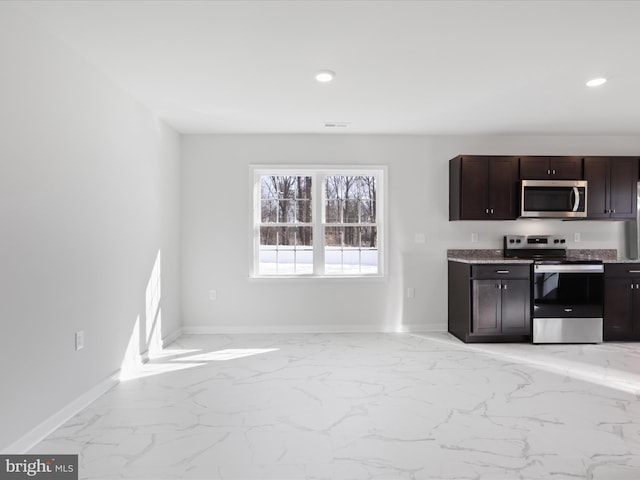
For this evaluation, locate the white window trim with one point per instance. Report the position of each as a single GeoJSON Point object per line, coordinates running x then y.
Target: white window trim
{"type": "Point", "coordinates": [318, 171]}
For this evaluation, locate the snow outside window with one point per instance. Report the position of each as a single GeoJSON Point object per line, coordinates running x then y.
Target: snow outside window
{"type": "Point", "coordinates": [317, 222]}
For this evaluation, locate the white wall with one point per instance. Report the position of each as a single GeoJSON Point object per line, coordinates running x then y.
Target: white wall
{"type": "Point", "coordinates": [89, 194]}
{"type": "Point", "coordinates": [215, 232]}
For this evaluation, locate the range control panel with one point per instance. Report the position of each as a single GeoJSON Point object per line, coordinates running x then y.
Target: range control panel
{"type": "Point", "coordinates": [521, 242]}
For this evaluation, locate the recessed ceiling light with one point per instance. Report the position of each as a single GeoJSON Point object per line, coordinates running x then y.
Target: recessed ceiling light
{"type": "Point", "coordinates": [596, 82]}
{"type": "Point", "coordinates": [325, 76]}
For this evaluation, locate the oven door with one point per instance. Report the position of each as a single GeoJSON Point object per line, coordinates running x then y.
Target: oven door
{"type": "Point", "coordinates": [568, 291]}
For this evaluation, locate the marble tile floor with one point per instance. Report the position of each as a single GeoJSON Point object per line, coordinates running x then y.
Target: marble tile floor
{"type": "Point", "coordinates": [365, 406]}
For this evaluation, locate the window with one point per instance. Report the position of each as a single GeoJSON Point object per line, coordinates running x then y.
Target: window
{"type": "Point", "coordinates": [318, 222]}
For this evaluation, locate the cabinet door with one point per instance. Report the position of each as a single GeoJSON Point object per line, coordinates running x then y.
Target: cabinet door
{"type": "Point", "coordinates": [596, 172]}
{"type": "Point", "coordinates": [534, 168]}
{"type": "Point", "coordinates": [566, 168]}
{"type": "Point", "coordinates": [474, 189]}
{"type": "Point", "coordinates": [503, 181]}
{"type": "Point", "coordinates": [551, 168]}
{"type": "Point", "coordinates": [516, 311]}
{"type": "Point", "coordinates": [618, 308]}
{"type": "Point", "coordinates": [635, 311]}
{"type": "Point", "coordinates": [624, 185]}
{"type": "Point", "coordinates": [485, 306]}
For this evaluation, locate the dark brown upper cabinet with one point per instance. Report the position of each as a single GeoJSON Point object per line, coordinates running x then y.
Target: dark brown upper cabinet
{"type": "Point", "coordinates": [551, 168]}
{"type": "Point", "coordinates": [483, 188]}
{"type": "Point", "coordinates": [612, 187]}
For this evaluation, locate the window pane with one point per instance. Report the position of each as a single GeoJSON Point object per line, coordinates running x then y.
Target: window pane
{"type": "Point", "coordinates": [269, 211]}
{"type": "Point", "coordinates": [351, 211]}
{"type": "Point", "coordinates": [285, 199]}
{"type": "Point", "coordinates": [303, 210]}
{"type": "Point", "coordinates": [351, 250]}
{"type": "Point", "coordinates": [332, 211]}
{"type": "Point", "coordinates": [286, 250]}
{"type": "Point", "coordinates": [368, 211]}
{"type": "Point", "coordinates": [350, 199]}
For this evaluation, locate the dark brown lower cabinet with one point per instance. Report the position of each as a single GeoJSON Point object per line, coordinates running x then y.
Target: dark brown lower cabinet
{"type": "Point", "coordinates": [489, 302]}
{"type": "Point", "coordinates": [622, 302]}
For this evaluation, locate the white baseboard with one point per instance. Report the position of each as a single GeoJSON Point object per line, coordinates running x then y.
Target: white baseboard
{"type": "Point", "coordinates": [421, 327]}
{"type": "Point", "coordinates": [40, 432]}
{"type": "Point", "coordinates": [171, 337]}
{"type": "Point", "coordinates": [258, 329]}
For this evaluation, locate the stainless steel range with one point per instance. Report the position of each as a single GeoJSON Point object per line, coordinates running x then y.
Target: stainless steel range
{"type": "Point", "coordinates": [567, 293]}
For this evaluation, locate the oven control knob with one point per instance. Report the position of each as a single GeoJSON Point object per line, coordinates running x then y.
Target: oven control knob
{"type": "Point", "coordinates": [511, 240]}
{"type": "Point", "coordinates": [518, 241]}
{"type": "Point", "coordinates": [563, 241]}
{"type": "Point", "coordinates": [556, 241]}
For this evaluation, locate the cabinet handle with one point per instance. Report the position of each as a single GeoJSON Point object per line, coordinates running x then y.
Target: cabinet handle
{"type": "Point", "coordinates": [613, 211]}
{"type": "Point", "coordinates": [504, 287]}
{"type": "Point", "coordinates": [548, 172]}
{"type": "Point", "coordinates": [568, 310]}
{"type": "Point", "coordinates": [633, 271]}
{"type": "Point", "coordinates": [632, 286]}
{"type": "Point", "coordinates": [502, 271]}
{"type": "Point", "coordinates": [486, 210]}
{"type": "Point", "coordinates": [553, 171]}
{"type": "Point", "coordinates": [492, 211]}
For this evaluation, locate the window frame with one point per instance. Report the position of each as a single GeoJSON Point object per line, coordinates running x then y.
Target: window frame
{"type": "Point", "coordinates": [318, 199]}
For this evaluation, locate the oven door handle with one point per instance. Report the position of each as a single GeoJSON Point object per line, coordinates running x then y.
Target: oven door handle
{"type": "Point", "coordinates": [595, 268]}
{"type": "Point", "coordinates": [576, 201]}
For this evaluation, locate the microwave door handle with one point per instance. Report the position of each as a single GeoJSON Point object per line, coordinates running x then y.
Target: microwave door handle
{"type": "Point", "coordinates": [576, 202]}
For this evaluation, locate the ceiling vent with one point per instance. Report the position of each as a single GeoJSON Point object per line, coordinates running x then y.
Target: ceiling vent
{"type": "Point", "coordinates": [336, 124]}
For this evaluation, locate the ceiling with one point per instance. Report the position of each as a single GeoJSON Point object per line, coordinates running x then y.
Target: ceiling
{"type": "Point", "coordinates": [402, 67]}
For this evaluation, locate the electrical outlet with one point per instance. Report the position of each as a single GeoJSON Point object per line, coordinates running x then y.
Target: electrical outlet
{"type": "Point", "coordinates": [79, 340]}
{"type": "Point", "coordinates": [474, 237]}
{"type": "Point", "coordinates": [213, 295]}
{"type": "Point", "coordinates": [576, 237]}
{"type": "Point", "coordinates": [411, 292]}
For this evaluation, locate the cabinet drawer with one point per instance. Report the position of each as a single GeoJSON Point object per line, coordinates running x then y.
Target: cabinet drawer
{"type": "Point", "coordinates": [622, 270]}
{"type": "Point", "coordinates": [499, 270]}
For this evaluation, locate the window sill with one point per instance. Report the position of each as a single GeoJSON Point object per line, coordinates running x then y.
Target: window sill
{"type": "Point", "coordinates": [324, 278]}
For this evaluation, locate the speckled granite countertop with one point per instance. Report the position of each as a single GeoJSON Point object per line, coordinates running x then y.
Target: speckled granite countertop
{"type": "Point", "coordinates": [497, 256]}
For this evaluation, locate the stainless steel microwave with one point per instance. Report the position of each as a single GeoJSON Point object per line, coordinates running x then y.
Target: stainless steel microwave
{"type": "Point", "coordinates": [553, 199]}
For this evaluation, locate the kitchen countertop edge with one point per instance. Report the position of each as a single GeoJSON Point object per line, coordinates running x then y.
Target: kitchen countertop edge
{"type": "Point", "coordinates": [489, 256]}
{"type": "Point", "coordinates": [489, 260]}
